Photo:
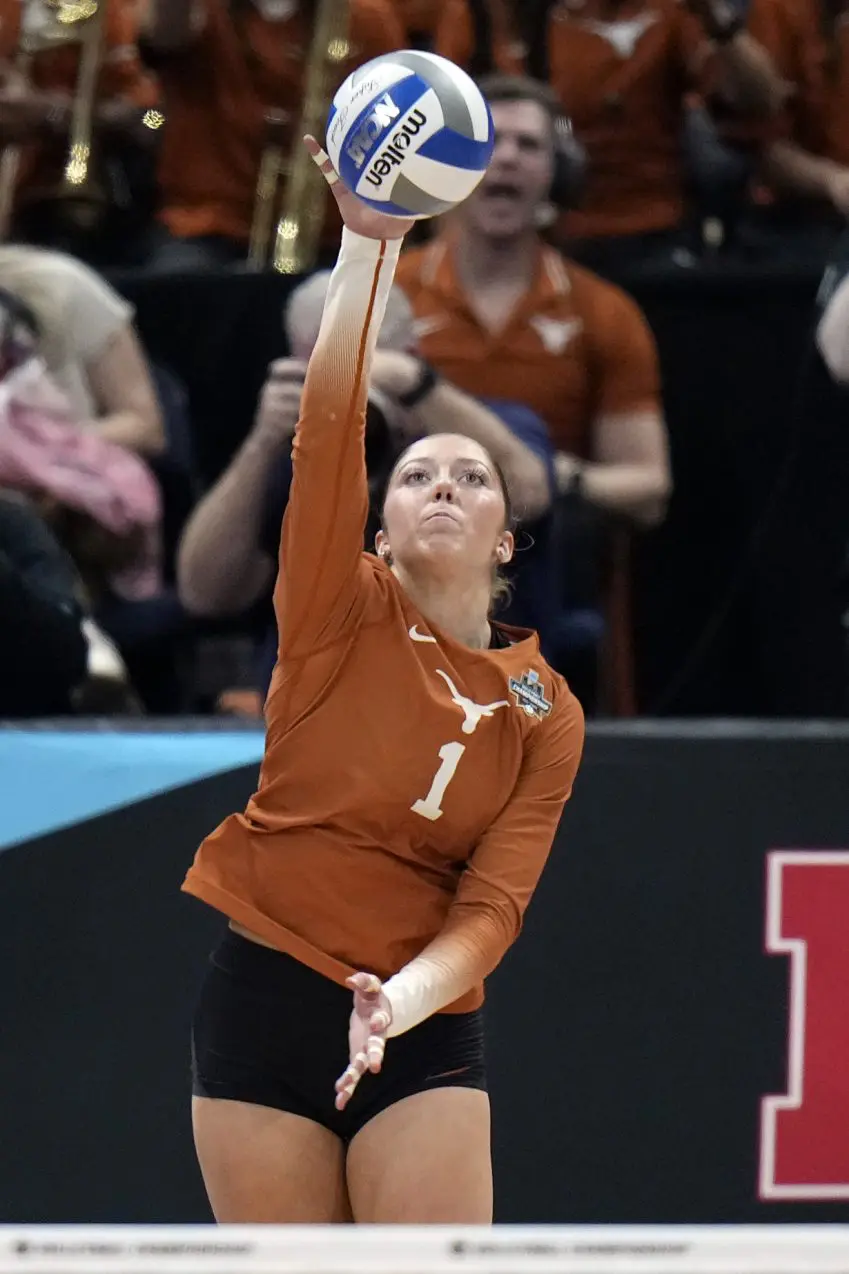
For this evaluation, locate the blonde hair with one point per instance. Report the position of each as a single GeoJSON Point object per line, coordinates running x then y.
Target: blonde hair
{"type": "Point", "coordinates": [501, 590]}
{"type": "Point", "coordinates": [26, 273]}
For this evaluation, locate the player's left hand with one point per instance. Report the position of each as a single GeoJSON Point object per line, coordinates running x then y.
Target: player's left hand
{"type": "Point", "coordinates": [367, 1029]}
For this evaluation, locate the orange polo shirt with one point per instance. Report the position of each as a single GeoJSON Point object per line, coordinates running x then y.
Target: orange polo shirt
{"type": "Point", "coordinates": [575, 348]}
{"type": "Point", "coordinates": [622, 82]}
{"type": "Point", "coordinates": [455, 37]}
{"type": "Point", "coordinates": [219, 91]}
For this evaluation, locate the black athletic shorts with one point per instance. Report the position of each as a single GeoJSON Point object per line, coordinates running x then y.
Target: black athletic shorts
{"type": "Point", "coordinates": [270, 1031]}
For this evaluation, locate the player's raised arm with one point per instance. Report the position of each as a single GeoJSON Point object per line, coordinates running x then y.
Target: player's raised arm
{"type": "Point", "coordinates": [325, 518]}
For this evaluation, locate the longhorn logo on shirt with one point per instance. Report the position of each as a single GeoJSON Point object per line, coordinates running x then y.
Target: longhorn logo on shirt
{"type": "Point", "coordinates": [555, 334]}
{"type": "Point", "coordinates": [530, 694]}
{"type": "Point", "coordinates": [623, 36]}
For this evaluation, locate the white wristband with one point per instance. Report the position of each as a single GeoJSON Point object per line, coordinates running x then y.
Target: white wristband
{"type": "Point", "coordinates": [413, 996]}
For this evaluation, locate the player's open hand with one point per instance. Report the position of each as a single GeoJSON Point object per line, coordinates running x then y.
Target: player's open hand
{"type": "Point", "coordinates": [369, 1023]}
{"type": "Point", "coordinates": [357, 214]}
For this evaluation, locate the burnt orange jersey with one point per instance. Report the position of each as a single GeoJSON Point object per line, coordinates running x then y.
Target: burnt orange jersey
{"type": "Point", "coordinates": [622, 81]}
{"type": "Point", "coordinates": [409, 783]}
{"type": "Point", "coordinates": [219, 92]}
{"type": "Point", "coordinates": [575, 348]}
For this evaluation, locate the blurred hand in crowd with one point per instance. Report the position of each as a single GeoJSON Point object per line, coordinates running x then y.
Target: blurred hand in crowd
{"type": "Point", "coordinates": [394, 372]}
{"type": "Point", "coordinates": [280, 401]}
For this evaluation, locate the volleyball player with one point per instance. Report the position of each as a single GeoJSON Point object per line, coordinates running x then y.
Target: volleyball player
{"type": "Point", "coordinates": [418, 757]}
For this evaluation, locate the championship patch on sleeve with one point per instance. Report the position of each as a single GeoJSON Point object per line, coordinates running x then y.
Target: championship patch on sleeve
{"type": "Point", "coordinates": [530, 695]}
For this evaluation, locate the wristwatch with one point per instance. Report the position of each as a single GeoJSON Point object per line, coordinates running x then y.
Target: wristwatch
{"type": "Point", "coordinates": [427, 382]}
{"type": "Point", "coordinates": [575, 485]}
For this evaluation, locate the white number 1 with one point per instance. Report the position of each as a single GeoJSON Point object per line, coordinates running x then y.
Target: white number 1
{"type": "Point", "coordinates": [431, 806]}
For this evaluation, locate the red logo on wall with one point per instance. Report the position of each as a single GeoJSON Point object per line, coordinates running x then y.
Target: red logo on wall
{"type": "Point", "coordinates": [804, 1152]}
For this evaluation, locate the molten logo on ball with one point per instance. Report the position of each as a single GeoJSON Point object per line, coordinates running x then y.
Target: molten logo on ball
{"type": "Point", "coordinates": [393, 154]}
{"type": "Point", "coordinates": [410, 134]}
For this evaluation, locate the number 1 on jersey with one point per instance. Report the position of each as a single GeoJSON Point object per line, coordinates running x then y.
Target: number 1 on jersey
{"type": "Point", "coordinates": [431, 806]}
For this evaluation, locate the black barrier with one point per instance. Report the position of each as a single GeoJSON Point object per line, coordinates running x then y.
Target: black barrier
{"type": "Point", "coordinates": [632, 1032]}
{"type": "Point", "coordinates": [732, 346]}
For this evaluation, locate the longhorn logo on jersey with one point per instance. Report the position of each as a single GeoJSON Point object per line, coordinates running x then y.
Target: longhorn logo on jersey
{"type": "Point", "coordinates": [472, 712]}
{"type": "Point", "coordinates": [530, 694]}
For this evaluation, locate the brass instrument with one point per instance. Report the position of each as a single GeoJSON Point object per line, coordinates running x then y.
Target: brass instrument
{"type": "Point", "coordinates": [77, 193]}
{"type": "Point", "coordinates": [77, 185]}
{"type": "Point", "coordinates": [301, 216]}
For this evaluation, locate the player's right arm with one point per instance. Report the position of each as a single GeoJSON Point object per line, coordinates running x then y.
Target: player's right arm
{"type": "Point", "coordinates": [486, 915]}
{"type": "Point", "coordinates": [499, 880]}
{"type": "Point", "coordinates": [322, 540]}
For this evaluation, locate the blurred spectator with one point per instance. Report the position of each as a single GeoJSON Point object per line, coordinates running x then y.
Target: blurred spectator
{"type": "Point", "coordinates": [87, 338]}
{"type": "Point", "coordinates": [484, 35]}
{"type": "Point", "coordinates": [101, 500]}
{"type": "Point", "coordinates": [43, 77]}
{"type": "Point", "coordinates": [43, 650]}
{"type": "Point", "coordinates": [807, 164]}
{"type": "Point", "coordinates": [502, 315]}
{"type": "Point", "coordinates": [72, 424]}
{"type": "Point", "coordinates": [622, 74]}
{"type": "Point", "coordinates": [228, 557]}
{"type": "Point", "coordinates": [227, 69]}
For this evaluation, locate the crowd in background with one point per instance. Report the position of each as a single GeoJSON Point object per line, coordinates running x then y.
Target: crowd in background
{"type": "Point", "coordinates": [635, 138]}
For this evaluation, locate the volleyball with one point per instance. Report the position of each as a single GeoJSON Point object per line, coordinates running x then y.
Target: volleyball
{"type": "Point", "coordinates": [410, 134]}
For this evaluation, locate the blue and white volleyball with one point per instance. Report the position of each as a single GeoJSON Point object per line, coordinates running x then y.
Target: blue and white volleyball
{"type": "Point", "coordinates": [411, 134]}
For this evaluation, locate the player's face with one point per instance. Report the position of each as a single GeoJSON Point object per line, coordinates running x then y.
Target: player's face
{"type": "Point", "coordinates": [519, 176]}
{"type": "Point", "coordinates": [445, 509]}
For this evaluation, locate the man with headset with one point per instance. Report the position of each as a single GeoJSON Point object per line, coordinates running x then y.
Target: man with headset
{"type": "Point", "coordinates": [502, 315]}
{"type": "Point", "coordinates": [631, 75]}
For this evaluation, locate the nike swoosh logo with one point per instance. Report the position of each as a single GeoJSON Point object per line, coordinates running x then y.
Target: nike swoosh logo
{"type": "Point", "coordinates": [417, 636]}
